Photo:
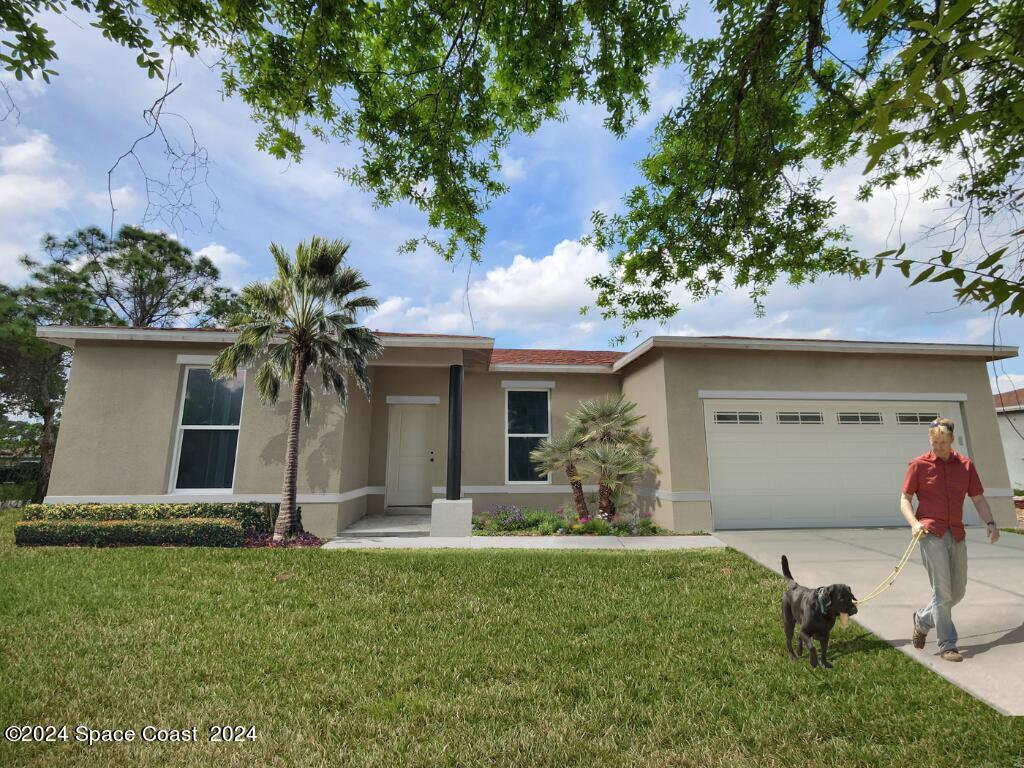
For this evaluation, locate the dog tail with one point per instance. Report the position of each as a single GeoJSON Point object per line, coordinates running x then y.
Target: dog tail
{"type": "Point", "coordinates": [785, 571]}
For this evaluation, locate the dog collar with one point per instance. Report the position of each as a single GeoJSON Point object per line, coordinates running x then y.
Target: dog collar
{"type": "Point", "coordinates": [820, 593]}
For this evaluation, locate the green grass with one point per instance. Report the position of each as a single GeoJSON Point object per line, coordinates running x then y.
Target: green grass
{"type": "Point", "coordinates": [437, 657]}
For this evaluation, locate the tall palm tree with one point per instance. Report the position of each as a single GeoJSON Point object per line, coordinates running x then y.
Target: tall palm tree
{"type": "Point", "coordinates": [612, 465]}
{"type": "Point", "coordinates": [564, 452]}
{"type": "Point", "coordinates": [302, 321]}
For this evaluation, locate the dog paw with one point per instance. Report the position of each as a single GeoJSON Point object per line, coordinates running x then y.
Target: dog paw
{"type": "Point", "coordinates": [826, 664]}
{"type": "Point", "coordinates": [793, 657]}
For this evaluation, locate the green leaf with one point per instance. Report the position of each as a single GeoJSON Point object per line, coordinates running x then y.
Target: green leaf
{"type": "Point", "coordinates": [905, 268]}
{"type": "Point", "coordinates": [992, 259]}
{"type": "Point", "coordinates": [946, 258]}
{"type": "Point", "coordinates": [874, 11]}
{"type": "Point", "coordinates": [953, 15]}
{"type": "Point", "coordinates": [972, 50]}
{"type": "Point", "coordinates": [948, 275]}
{"type": "Point", "coordinates": [879, 266]}
{"type": "Point", "coordinates": [923, 275]}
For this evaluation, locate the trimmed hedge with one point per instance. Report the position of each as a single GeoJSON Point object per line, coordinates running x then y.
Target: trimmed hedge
{"type": "Point", "coordinates": [185, 532]}
{"type": "Point", "coordinates": [253, 517]}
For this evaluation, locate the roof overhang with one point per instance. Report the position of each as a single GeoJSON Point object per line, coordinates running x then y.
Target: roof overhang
{"type": "Point", "coordinates": [986, 351]}
{"type": "Point", "coordinates": [69, 335]}
{"type": "Point", "coordinates": [541, 368]}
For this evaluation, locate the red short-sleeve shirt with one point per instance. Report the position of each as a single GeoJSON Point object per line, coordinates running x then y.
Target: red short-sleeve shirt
{"type": "Point", "coordinates": [941, 487]}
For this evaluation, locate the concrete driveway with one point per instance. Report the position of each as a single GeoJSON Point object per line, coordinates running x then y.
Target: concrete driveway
{"type": "Point", "coordinates": [990, 620]}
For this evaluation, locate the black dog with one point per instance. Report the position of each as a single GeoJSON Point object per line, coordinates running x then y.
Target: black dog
{"type": "Point", "coordinates": [815, 610]}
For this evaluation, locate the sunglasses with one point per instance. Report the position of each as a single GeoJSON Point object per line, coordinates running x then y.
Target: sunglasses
{"type": "Point", "coordinates": [936, 424]}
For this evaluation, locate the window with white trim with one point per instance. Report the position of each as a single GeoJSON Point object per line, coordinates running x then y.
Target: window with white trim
{"type": "Point", "coordinates": [857, 417]}
{"type": "Point", "coordinates": [527, 422]}
{"type": "Point", "coordinates": [208, 420]}
{"type": "Point", "coordinates": [737, 417]}
{"type": "Point", "coordinates": [916, 418]}
{"type": "Point", "coordinates": [798, 417]}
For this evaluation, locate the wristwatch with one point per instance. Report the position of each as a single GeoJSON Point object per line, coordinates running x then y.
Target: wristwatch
{"type": "Point", "coordinates": [991, 522]}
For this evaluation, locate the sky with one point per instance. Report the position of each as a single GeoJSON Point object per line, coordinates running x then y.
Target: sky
{"type": "Point", "coordinates": [526, 292]}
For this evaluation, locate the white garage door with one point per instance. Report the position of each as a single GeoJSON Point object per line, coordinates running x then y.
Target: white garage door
{"type": "Point", "coordinates": [814, 463]}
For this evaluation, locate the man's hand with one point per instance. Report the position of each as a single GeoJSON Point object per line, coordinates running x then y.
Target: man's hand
{"type": "Point", "coordinates": [916, 526]}
{"type": "Point", "coordinates": [993, 534]}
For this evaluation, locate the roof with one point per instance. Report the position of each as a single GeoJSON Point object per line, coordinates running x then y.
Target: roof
{"type": "Point", "coordinates": [553, 357]}
{"type": "Point", "coordinates": [1009, 400]}
{"type": "Point", "coordinates": [563, 360]}
{"type": "Point", "coordinates": [769, 344]}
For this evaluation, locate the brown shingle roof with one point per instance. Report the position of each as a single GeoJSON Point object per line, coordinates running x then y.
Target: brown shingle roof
{"type": "Point", "coordinates": [1013, 399]}
{"type": "Point", "coordinates": [552, 357]}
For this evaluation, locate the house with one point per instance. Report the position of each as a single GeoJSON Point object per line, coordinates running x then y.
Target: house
{"type": "Point", "coordinates": [750, 432]}
{"type": "Point", "coordinates": [1010, 415]}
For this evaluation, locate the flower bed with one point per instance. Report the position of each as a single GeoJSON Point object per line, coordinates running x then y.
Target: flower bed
{"type": "Point", "coordinates": [267, 540]}
{"type": "Point", "coordinates": [512, 520]}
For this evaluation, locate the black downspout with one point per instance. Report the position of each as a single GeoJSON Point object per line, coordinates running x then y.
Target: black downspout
{"type": "Point", "coordinates": [454, 486]}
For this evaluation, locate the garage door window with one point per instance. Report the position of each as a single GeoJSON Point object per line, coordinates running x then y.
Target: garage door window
{"type": "Point", "coordinates": [916, 418]}
{"type": "Point", "coordinates": [737, 417]}
{"type": "Point", "coordinates": [859, 418]}
{"type": "Point", "coordinates": [527, 422]}
{"type": "Point", "coordinates": [799, 417]}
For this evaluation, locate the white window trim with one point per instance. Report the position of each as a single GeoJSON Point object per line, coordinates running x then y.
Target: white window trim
{"type": "Point", "coordinates": [180, 430]}
{"type": "Point", "coordinates": [548, 480]}
{"type": "Point", "coordinates": [413, 400]}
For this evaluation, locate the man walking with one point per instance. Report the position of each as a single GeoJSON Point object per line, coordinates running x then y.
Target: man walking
{"type": "Point", "coordinates": [942, 478]}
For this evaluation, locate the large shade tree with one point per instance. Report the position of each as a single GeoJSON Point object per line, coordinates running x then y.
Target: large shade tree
{"type": "Point", "coordinates": [302, 323]}
{"type": "Point", "coordinates": [138, 278]}
{"type": "Point", "coordinates": [731, 191]}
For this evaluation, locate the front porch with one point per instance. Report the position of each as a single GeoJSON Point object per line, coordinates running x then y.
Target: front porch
{"type": "Point", "coordinates": [395, 521]}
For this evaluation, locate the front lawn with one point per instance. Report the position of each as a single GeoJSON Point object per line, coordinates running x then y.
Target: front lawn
{"type": "Point", "coordinates": [435, 657]}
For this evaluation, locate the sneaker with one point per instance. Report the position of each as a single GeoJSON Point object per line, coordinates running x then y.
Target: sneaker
{"type": "Point", "coordinates": [952, 655]}
{"type": "Point", "coordinates": [919, 636]}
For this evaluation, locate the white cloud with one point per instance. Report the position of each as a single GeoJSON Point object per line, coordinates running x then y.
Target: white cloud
{"type": "Point", "coordinates": [513, 168]}
{"type": "Point", "coordinates": [1007, 383]}
{"type": "Point", "coordinates": [526, 296]}
{"type": "Point", "coordinates": [233, 267]}
{"type": "Point", "coordinates": [31, 155]}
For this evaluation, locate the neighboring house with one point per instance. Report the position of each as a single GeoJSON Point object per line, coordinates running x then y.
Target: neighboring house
{"type": "Point", "coordinates": [750, 432]}
{"type": "Point", "coordinates": [1010, 415]}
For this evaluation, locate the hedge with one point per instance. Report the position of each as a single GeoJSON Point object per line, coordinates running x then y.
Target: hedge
{"type": "Point", "coordinates": [253, 517]}
{"type": "Point", "coordinates": [186, 532]}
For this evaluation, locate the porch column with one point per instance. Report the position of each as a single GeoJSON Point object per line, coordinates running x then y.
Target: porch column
{"type": "Point", "coordinates": [453, 489]}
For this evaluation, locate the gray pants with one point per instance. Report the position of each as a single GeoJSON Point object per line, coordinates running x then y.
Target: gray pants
{"type": "Point", "coordinates": [945, 559]}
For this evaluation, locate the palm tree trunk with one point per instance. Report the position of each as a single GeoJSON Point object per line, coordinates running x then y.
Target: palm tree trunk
{"type": "Point", "coordinates": [577, 491]}
{"type": "Point", "coordinates": [605, 506]}
{"type": "Point", "coordinates": [285, 525]}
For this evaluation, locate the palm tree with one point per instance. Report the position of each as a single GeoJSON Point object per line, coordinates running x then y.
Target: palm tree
{"type": "Point", "coordinates": [302, 321]}
{"type": "Point", "coordinates": [642, 443]}
{"type": "Point", "coordinates": [609, 420]}
{"type": "Point", "coordinates": [564, 452]}
{"type": "Point", "coordinates": [612, 465]}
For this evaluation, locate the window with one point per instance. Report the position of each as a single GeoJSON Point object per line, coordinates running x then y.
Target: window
{"type": "Point", "coordinates": [798, 417]}
{"type": "Point", "coordinates": [527, 422]}
{"type": "Point", "coordinates": [207, 432]}
{"type": "Point", "coordinates": [859, 418]}
{"type": "Point", "coordinates": [737, 417]}
{"type": "Point", "coordinates": [916, 418]}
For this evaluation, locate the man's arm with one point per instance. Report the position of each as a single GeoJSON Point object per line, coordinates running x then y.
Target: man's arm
{"type": "Point", "coordinates": [981, 504]}
{"type": "Point", "coordinates": [907, 508]}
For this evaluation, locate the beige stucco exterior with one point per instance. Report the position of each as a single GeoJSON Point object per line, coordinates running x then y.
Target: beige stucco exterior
{"type": "Point", "coordinates": [118, 436]}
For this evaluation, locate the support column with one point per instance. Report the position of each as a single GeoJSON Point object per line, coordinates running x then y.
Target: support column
{"type": "Point", "coordinates": [453, 488]}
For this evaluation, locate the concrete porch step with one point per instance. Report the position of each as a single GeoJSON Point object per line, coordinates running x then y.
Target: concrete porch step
{"type": "Point", "coordinates": [407, 511]}
{"type": "Point", "coordinates": [388, 525]}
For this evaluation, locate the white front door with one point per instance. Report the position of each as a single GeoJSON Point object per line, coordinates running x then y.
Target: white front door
{"type": "Point", "coordinates": [815, 463]}
{"type": "Point", "coordinates": [410, 455]}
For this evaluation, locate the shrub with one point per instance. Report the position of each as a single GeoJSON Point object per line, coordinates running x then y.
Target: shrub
{"type": "Point", "coordinates": [251, 516]}
{"type": "Point", "coordinates": [187, 532]}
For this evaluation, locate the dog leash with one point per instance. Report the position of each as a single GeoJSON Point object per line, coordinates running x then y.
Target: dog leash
{"type": "Point", "coordinates": [888, 581]}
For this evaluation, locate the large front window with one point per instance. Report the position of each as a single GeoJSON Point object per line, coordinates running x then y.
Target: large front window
{"type": "Point", "coordinates": [527, 422]}
{"type": "Point", "coordinates": [207, 432]}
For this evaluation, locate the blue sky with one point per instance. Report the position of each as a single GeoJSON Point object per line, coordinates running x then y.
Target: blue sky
{"type": "Point", "coordinates": [530, 285]}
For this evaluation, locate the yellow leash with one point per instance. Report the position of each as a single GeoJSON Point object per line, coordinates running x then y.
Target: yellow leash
{"type": "Point", "coordinates": [887, 582]}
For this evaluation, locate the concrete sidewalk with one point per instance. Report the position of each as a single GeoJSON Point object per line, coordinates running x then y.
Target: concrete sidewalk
{"type": "Point", "coordinates": [990, 620]}
{"type": "Point", "coordinates": [525, 542]}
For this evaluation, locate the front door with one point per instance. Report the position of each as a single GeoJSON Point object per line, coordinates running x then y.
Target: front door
{"type": "Point", "coordinates": [410, 456]}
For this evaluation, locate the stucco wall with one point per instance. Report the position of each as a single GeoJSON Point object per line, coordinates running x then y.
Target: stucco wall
{"type": "Point", "coordinates": [1013, 444]}
{"type": "Point", "coordinates": [688, 371]}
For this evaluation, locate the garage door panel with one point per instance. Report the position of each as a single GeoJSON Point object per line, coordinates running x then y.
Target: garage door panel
{"type": "Point", "coordinates": [827, 474]}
